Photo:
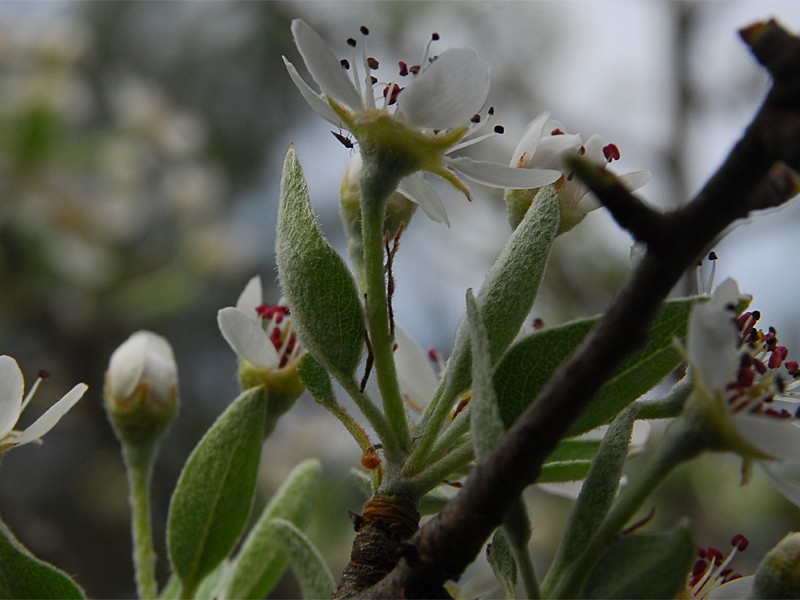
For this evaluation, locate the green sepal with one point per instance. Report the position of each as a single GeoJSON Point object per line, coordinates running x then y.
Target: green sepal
{"type": "Point", "coordinates": [597, 493]}
{"type": "Point", "coordinates": [530, 363]}
{"type": "Point", "coordinates": [260, 563]}
{"type": "Point", "coordinates": [22, 575]}
{"type": "Point", "coordinates": [326, 307]}
{"type": "Point", "coordinates": [500, 558]}
{"type": "Point", "coordinates": [314, 576]}
{"type": "Point", "coordinates": [643, 566]}
{"type": "Point", "coordinates": [212, 499]}
{"type": "Point", "coordinates": [507, 295]}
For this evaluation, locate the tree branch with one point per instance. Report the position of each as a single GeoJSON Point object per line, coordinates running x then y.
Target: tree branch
{"type": "Point", "coordinates": [451, 540]}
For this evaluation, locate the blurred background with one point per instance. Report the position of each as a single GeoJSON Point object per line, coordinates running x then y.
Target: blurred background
{"type": "Point", "coordinates": [140, 155]}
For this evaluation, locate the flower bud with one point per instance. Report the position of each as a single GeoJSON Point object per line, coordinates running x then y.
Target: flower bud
{"type": "Point", "coordinates": [141, 390]}
{"type": "Point", "coordinates": [778, 575]}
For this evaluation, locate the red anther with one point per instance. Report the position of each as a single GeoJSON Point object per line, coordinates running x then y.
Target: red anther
{"type": "Point", "coordinates": [372, 62]}
{"type": "Point", "coordinates": [393, 95]}
{"type": "Point", "coordinates": [582, 150]}
{"type": "Point", "coordinates": [759, 366]}
{"type": "Point", "coordinates": [745, 378]}
{"type": "Point", "coordinates": [791, 365]}
{"type": "Point", "coordinates": [414, 69]}
{"type": "Point", "coordinates": [556, 131]}
{"type": "Point", "coordinates": [777, 356]}
{"type": "Point", "coordinates": [403, 68]}
{"type": "Point", "coordinates": [715, 555]}
{"type": "Point", "coordinates": [43, 374]}
{"type": "Point", "coordinates": [433, 354]}
{"type": "Point", "coordinates": [538, 324]}
{"type": "Point", "coordinates": [611, 152]}
{"type": "Point", "coordinates": [740, 542]}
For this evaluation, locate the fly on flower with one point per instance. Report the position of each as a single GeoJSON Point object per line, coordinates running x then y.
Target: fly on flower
{"type": "Point", "coordinates": [412, 122]}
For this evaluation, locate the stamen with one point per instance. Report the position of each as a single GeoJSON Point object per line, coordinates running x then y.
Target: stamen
{"type": "Point", "coordinates": [611, 152]}
{"type": "Point", "coordinates": [499, 129]}
{"type": "Point", "coordinates": [403, 69]}
{"type": "Point", "coordinates": [364, 30]}
{"type": "Point", "coordinates": [426, 53]}
{"type": "Point", "coordinates": [345, 64]}
{"type": "Point", "coordinates": [373, 63]}
{"type": "Point", "coordinates": [42, 376]}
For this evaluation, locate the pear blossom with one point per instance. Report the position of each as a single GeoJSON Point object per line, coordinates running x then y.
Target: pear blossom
{"type": "Point", "coordinates": [712, 572]}
{"type": "Point", "coordinates": [258, 333]}
{"type": "Point", "coordinates": [419, 124]}
{"type": "Point", "coordinates": [415, 373]}
{"type": "Point", "coordinates": [545, 144]}
{"type": "Point", "coordinates": [144, 359]}
{"type": "Point", "coordinates": [744, 386]}
{"type": "Point", "coordinates": [13, 401]}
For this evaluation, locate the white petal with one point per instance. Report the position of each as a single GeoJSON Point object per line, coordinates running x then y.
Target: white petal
{"type": "Point", "coordinates": [734, 590]}
{"type": "Point", "coordinates": [712, 341]}
{"type": "Point", "coordinates": [315, 101]}
{"type": "Point", "coordinates": [51, 416]}
{"type": "Point", "coordinates": [414, 370]}
{"type": "Point", "coordinates": [789, 489]}
{"type": "Point", "coordinates": [526, 148]}
{"type": "Point", "coordinates": [635, 179]}
{"type": "Point", "coordinates": [324, 67]}
{"type": "Point", "coordinates": [12, 388]}
{"type": "Point", "coordinates": [774, 436]}
{"type": "Point", "coordinates": [160, 368]}
{"type": "Point", "coordinates": [423, 193]}
{"type": "Point", "coordinates": [246, 337]}
{"type": "Point", "coordinates": [126, 366]}
{"type": "Point", "coordinates": [497, 175]}
{"type": "Point", "coordinates": [594, 150]}
{"type": "Point", "coordinates": [251, 297]}
{"type": "Point", "coordinates": [553, 148]}
{"type": "Point", "coordinates": [448, 93]}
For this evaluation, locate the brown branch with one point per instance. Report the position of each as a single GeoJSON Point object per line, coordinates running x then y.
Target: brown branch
{"type": "Point", "coordinates": [450, 541]}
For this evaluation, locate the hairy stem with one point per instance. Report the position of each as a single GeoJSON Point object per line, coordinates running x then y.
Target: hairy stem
{"type": "Point", "coordinates": [139, 465]}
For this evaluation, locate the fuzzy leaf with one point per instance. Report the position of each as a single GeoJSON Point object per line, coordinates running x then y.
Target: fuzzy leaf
{"type": "Point", "coordinates": [510, 288]}
{"type": "Point", "coordinates": [502, 562]}
{"type": "Point", "coordinates": [22, 575]}
{"type": "Point", "coordinates": [308, 565]}
{"type": "Point", "coordinates": [528, 365]}
{"type": "Point", "coordinates": [212, 499]}
{"type": "Point", "coordinates": [321, 292]}
{"type": "Point", "coordinates": [316, 379]}
{"type": "Point", "coordinates": [598, 492]}
{"type": "Point", "coordinates": [643, 566]}
{"type": "Point", "coordinates": [564, 471]}
{"type": "Point", "coordinates": [262, 560]}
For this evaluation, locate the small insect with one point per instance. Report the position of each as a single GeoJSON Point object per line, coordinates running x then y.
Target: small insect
{"type": "Point", "coordinates": [344, 140]}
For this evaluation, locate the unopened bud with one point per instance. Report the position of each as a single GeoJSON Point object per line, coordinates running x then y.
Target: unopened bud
{"type": "Point", "coordinates": [141, 389]}
{"type": "Point", "coordinates": [778, 575]}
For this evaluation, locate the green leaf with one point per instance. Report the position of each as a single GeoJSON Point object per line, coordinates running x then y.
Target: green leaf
{"type": "Point", "coordinates": [308, 565]}
{"type": "Point", "coordinates": [212, 499]}
{"type": "Point", "coordinates": [22, 575]}
{"type": "Point", "coordinates": [262, 560]}
{"type": "Point", "coordinates": [316, 379]}
{"type": "Point", "coordinates": [643, 566]}
{"type": "Point", "coordinates": [530, 363]}
{"type": "Point", "coordinates": [598, 492]}
{"type": "Point", "coordinates": [507, 295]}
{"type": "Point", "coordinates": [486, 425]}
{"type": "Point", "coordinates": [564, 471]}
{"type": "Point", "coordinates": [326, 307]}
{"type": "Point", "coordinates": [500, 558]}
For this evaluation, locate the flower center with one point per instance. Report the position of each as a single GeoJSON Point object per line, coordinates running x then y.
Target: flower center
{"type": "Point", "coordinates": [711, 569]}
{"type": "Point", "coordinates": [278, 325]}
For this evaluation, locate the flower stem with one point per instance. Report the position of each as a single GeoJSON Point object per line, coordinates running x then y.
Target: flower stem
{"type": "Point", "coordinates": [373, 203]}
{"type": "Point", "coordinates": [139, 460]}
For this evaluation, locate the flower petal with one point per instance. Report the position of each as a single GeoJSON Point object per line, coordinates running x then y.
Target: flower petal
{"type": "Point", "coordinates": [314, 100]}
{"type": "Point", "coordinates": [246, 337]}
{"type": "Point", "coordinates": [12, 388]}
{"type": "Point", "coordinates": [126, 366]}
{"type": "Point", "coordinates": [423, 193]}
{"type": "Point", "coordinates": [774, 436]}
{"type": "Point", "coordinates": [415, 373]}
{"type": "Point", "coordinates": [501, 176]}
{"type": "Point", "coordinates": [51, 416]}
{"type": "Point", "coordinates": [447, 93]}
{"type": "Point", "coordinates": [523, 153]}
{"type": "Point", "coordinates": [251, 297]}
{"type": "Point", "coordinates": [324, 67]}
{"type": "Point", "coordinates": [635, 179]}
{"type": "Point", "coordinates": [789, 489]}
{"type": "Point", "coordinates": [734, 590]}
{"type": "Point", "coordinates": [712, 341]}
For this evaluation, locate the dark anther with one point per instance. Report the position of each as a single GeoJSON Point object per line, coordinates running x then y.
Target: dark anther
{"type": "Point", "coordinates": [491, 110]}
{"type": "Point", "coordinates": [345, 64]}
{"type": "Point", "coordinates": [351, 42]}
{"type": "Point", "coordinates": [712, 255]}
{"type": "Point", "coordinates": [373, 80]}
{"type": "Point", "coordinates": [372, 63]}
{"type": "Point", "coordinates": [499, 129]}
{"type": "Point", "coordinates": [403, 68]}
{"type": "Point", "coordinates": [434, 36]}
{"type": "Point", "coordinates": [43, 374]}
{"type": "Point", "coordinates": [364, 29]}
{"type": "Point", "coordinates": [475, 119]}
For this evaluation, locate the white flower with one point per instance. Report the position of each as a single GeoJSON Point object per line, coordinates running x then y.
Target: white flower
{"type": "Point", "coordinates": [712, 576]}
{"type": "Point", "coordinates": [744, 385]}
{"type": "Point", "coordinates": [144, 360]}
{"type": "Point", "coordinates": [13, 402]}
{"type": "Point", "coordinates": [416, 376]}
{"type": "Point", "coordinates": [546, 144]}
{"type": "Point", "coordinates": [420, 123]}
{"type": "Point", "coordinates": [260, 334]}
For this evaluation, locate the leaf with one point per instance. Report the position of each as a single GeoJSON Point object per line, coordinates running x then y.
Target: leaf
{"type": "Point", "coordinates": [597, 494]}
{"type": "Point", "coordinates": [261, 561]}
{"type": "Point", "coordinates": [500, 558]}
{"type": "Point", "coordinates": [530, 363]}
{"type": "Point", "coordinates": [212, 499]}
{"type": "Point", "coordinates": [316, 379]}
{"type": "Point", "coordinates": [643, 566]}
{"type": "Point", "coordinates": [510, 288]}
{"type": "Point", "coordinates": [321, 292]}
{"type": "Point", "coordinates": [486, 426]}
{"type": "Point", "coordinates": [308, 565]}
{"type": "Point", "coordinates": [22, 575]}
